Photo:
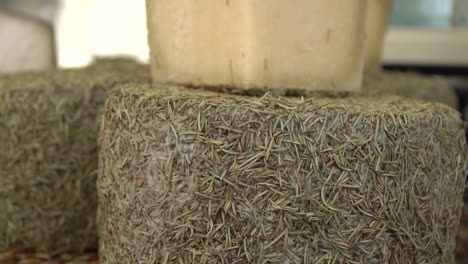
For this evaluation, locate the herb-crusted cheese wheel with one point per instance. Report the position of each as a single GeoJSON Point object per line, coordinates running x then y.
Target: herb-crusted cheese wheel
{"type": "Point", "coordinates": [195, 177]}
{"type": "Point", "coordinates": [48, 136]}
{"type": "Point", "coordinates": [266, 45]}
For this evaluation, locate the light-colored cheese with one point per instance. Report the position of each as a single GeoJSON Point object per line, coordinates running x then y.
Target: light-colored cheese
{"type": "Point", "coordinates": [378, 15]}
{"type": "Point", "coordinates": [25, 44]}
{"type": "Point", "coordinates": [315, 45]}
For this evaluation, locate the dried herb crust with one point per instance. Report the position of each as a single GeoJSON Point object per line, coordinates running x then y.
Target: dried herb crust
{"type": "Point", "coordinates": [48, 136]}
{"type": "Point", "coordinates": [199, 177]}
{"type": "Point", "coordinates": [411, 85]}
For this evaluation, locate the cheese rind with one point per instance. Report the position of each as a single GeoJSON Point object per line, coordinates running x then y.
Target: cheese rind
{"type": "Point", "coordinates": [48, 159]}
{"type": "Point", "coordinates": [378, 15]}
{"type": "Point", "coordinates": [189, 177]}
{"type": "Point", "coordinates": [315, 45]}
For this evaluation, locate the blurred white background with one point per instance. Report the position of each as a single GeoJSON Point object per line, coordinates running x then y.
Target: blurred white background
{"type": "Point", "coordinates": [70, 33]}
{"type": "Point", "coordinates": [88, 28]}
{"type": "Point", "coordinates": [82, 30]}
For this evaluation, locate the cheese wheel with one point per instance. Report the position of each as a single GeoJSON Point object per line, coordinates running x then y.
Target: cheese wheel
{"type": "Point", "coordinates": [377, 22]}
{"type": "Point", "coordinates": [313, 45]}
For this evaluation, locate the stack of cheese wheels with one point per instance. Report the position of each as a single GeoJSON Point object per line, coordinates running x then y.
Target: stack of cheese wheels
{"type": "Point", "coordinates": [194, 176]}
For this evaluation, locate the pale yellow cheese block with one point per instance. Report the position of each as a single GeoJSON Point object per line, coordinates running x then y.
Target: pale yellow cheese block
{"type": "Point", "coordinates": [261, 44]}
{"type": "Point", "coordinates": [25, 43]}
{"type": "Point", "coordinates": [378, 14]}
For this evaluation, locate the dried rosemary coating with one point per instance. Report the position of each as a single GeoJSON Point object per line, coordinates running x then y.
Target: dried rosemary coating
{"type": "Point", "coordinates": [378, 82]}
{"type": "Point", "coordinates": [409, 84]}
{"type": "Point", "coordinates": [186, 177]}
{"type": "Point", "coordinates": [48, 136]}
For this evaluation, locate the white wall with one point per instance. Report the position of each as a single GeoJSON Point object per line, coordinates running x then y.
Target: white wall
{"type": "Point", "coordinates": [88, 28]}
{"type": "Point", "coordinates": [85, 29]}
{"type": "Point", "coordinates": [26, 44]}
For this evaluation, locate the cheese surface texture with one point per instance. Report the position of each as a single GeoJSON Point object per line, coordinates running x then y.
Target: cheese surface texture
{"type": "Point", "coordinates": [378, 14]}
{"type": "Point", "coordinates": [303, 44]}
